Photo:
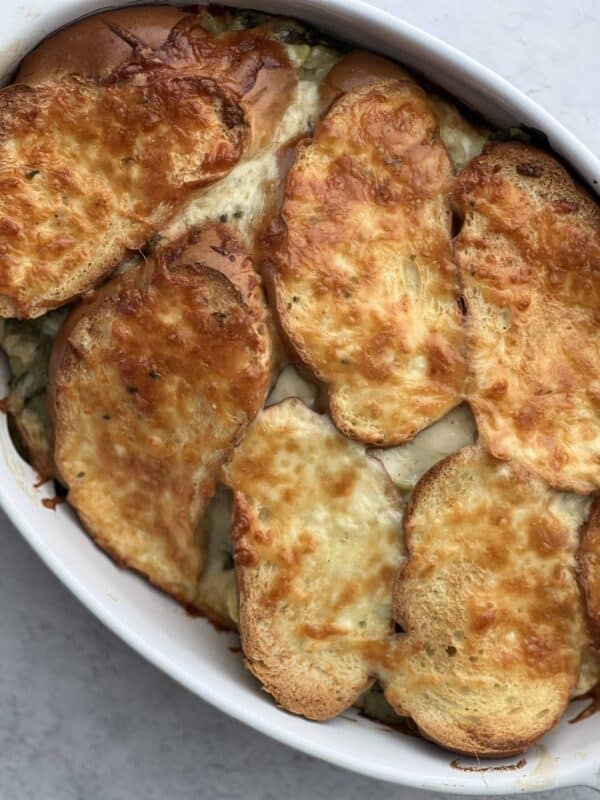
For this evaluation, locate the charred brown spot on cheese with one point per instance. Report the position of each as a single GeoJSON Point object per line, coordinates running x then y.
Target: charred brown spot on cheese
{"type": "Point", "coordinates": [529, 260]}
{"type": "Point", "coordinates": [495, 628]}
{"type": "Point", "coordinates": [321, 521]}
{"type": "Point", "coordinates": [141, 481]}
{"type": "Point", "coordinates": [384, 301]}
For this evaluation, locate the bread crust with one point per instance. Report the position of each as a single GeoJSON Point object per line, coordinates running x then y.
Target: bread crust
{"type": "Point", "coordinates": [151, 385]}
{"type": "Point", "coordinates": [365, 286]}
{"type": "Point", "coordinates": [251, 62]}
{"type": "Point", "coordinates": [92, 47]}
{"type": "Point", "coordinates": [488, 599]}
{"type": "Point", "coordinates": [528, 256]}
{"type": "Point", "coordinates": [316, 545]}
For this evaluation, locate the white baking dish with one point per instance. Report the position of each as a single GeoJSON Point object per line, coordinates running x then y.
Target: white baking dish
{"type": "Point", "coordinates": [190, 650]}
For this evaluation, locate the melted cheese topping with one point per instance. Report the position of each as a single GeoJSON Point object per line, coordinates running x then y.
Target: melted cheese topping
{"type": "Point", "coordinates": [291, 384]}
{"type": "Point", "coordinates": [243, 196]}
{"type": "Point", "coordinates": [153, 383]}
{"type": "Point", "coordinates": [365, 285]}
{"type": "Point", "coordinates": [529, 260]}
{"type": "Point", "coordinates": [489, 600]}
{"type": "Point", "coordinates": [463, 139]}
{"type": "Point", "coordinates": [88, 170]}
{"type": "Point", "coordinates": [408, 462]}
{"type": "Point", "coordinates": [317, 545]}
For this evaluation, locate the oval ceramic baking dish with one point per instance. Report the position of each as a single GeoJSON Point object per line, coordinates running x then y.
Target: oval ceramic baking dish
{"type": "Point", "coordinates": [190, 650]}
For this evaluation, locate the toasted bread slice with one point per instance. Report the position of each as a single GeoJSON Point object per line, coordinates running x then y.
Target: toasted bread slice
{"type": "Point", "coordinates": [529, 256]}
{"type": "Point", "coordinates": [589, 672]}
{"type": "Point", "coordinates": [589, 568]}
{"type": "Point", "coordinates": [317, 541]}
{"type": "Point", "coordinates": [97, 150]}
{"type": "Point", "coordinates": [152, 383]}
{"type": "Point", "coordinates": [463, 139]}
{"type": "Point", "coordinates": [250, 62]}
{"type": "Point", "coordinates": [362, 272]}
{"type": "Point", "coordinates": [489, 601]}
{"type": "Point", "coordinates": [92, 169]}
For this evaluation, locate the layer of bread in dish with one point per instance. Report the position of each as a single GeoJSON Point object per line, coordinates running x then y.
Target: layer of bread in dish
{"type": "Point", "coordinates": [317, 542]}
{"type": "Point", "coordinates": [489, 602]}
{"type": "Point", "coordinates": [247, 59]}
{"type": "Point", "coordinates": [529, 260]}
{"type": "Point", "coordinates": [589, 568]}
{"type": "Point", "coordinates": [152, 383]}
{"type": "Point", "coordinates": [464, 138]}
{"type": "Point", "coordinates": [211, 444]}
{"type": "Point", "coordinates": [362, 273]}
{"type": "Point", "coordinates": [97, 165]}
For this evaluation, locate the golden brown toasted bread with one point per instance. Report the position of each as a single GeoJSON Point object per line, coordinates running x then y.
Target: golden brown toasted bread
{"type": "Point", "coordinates": [317, 541]}
{"type": "Point", "coordinates": [91, 170]}
{"type": "Point", "coordinates": [589, 568]}
{"type": "Point", "coordinates": [463, 139]}
{"type": "Point", "coordinates": [152, 383]}
{"type": "Point", "coordinates": [529, 259]}
{"type": "Point", "coordinates": [92, 46]}
{"type": "Point", "coordinates": [250, 61]}
{"type": "Point", "coordinates": [362, 272]}
{"type": "Point", "coordinates": [489, 601]}
{"type": "Point", "coordinates": [101, 158]}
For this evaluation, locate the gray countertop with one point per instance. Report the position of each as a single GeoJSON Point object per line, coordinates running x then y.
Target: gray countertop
{"type": "Point", "coordinates": [84, 717]}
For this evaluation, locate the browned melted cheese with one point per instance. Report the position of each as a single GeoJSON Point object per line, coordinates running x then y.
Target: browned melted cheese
{"type": "Point", "coordinates": [152, 384]}
{"type": "Point", "coordinates": [316, 545]}
{"type": "Point", "coordinates": [529, 261]}
{"type": "Point", "coordinates": [364, 281]}
{"type": "Point", "coordinates": [89, 174]}
{"type": "Point", "coordinates": [489, 600]}
{"type": "Point", "coordinates": [589, 568]}
{"type": "Point", "coordinates": [96, 164]}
